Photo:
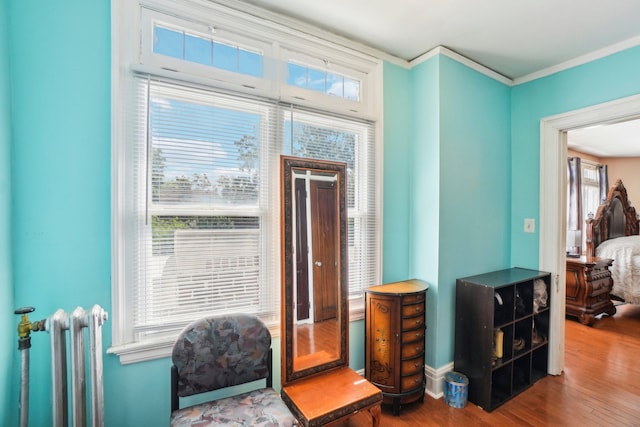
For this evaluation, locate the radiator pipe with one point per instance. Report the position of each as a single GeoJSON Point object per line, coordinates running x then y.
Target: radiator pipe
{"type": "Point", "coordinates": [57, 323]}
{"type": "Point", "coordinates": [25, 327]}
{"type": "Point", "coordinates": [95, 319]}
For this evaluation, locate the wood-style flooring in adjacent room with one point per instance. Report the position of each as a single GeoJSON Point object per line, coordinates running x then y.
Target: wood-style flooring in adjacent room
{"type": "Point", "coordinates": [600, 385]}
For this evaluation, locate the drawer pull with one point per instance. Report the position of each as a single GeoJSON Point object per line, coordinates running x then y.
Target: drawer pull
{"type": "Point", "coordinates": [418, 334]}
{"type": "Point", "coordinates": [416, 380]}
{"type": "Point", "coordinates": [417, 365]}
{"type": "Point", "coordinates": [419, 321]}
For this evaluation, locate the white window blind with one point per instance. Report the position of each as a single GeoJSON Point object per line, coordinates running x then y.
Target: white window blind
{"type": "Point", "coordinates": [206, 239]}
{"type": "Point", "coordinates": [206, 186]}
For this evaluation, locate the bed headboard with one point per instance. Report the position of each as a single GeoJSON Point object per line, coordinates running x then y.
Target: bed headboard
{"type": "Point", "coordinates": [614, 218]}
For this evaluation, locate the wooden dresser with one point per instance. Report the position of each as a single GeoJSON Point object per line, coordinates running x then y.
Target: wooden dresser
{"type": "Point", "coordinates": [588, 285]}
{"type": "Point", "coordinates": [395, 340]}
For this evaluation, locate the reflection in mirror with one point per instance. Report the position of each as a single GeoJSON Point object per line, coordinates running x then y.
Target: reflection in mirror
{"type": "Point", "coordinates": [314, 312]}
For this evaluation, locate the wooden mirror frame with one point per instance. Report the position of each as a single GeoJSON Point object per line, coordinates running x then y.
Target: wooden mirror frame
{"type": "Point", "coordinates": [289, 164]}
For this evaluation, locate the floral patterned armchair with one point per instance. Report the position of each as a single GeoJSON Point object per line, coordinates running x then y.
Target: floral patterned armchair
{"type": "Point", "coordinates": [218, 352]}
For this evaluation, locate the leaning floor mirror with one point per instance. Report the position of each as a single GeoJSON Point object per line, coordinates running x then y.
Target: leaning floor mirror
{"type": "Point", "coordinates": [318, 385]}
{"type": "Point", "coordinates": [314, 267]}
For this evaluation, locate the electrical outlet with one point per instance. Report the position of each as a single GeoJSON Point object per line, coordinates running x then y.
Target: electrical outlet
{"type": "Point", "coordinates": [529, 225]}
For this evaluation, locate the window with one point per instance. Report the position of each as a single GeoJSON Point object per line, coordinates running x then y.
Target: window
{"type": "Point", "coordinates": [590, 193]}
{"type": "Point", "coordinates": [196, 175]}
{"type": "Point", "coordinates": [207, 51]}
{"type": "Point", "coordinates": [322, 81]}
{"type": "Point", "coordinates": [590, 188]}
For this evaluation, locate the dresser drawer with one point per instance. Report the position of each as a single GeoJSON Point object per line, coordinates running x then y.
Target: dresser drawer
{"type": "Point", "coordinates": [412, 381]}
{"type": "Point", "coordinates": [412, 322]}
{"type": "Point", "coordinates": [600, 287]}
{"type": "Point", "coordinates": [410, 299]}
{"type": "Point", "coordinates": [411, 336]}
{"type": "Point", "coordinates": [412, 350]}
{"type": "Point", "coordinates": [413, 309]}
{"type": "Point", "coordinates": [413, 366]}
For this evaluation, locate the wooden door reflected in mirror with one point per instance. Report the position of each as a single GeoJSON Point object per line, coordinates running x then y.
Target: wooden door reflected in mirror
{"type": "Point", "coordinates": [314, 238]}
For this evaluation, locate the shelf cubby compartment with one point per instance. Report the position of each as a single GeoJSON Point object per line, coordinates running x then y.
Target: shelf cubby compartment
{"type": "Point", "coordinates": [501, 385]}
{"type": "Point", "coordinates": [503, 307]}
{"type": "Point", "coordinates": [524, 299]}
{"type": "Point", "coordinates": [507, 347]}
{"type": "Point", "coordinates": [540, 332]}
{"type": "Point", "coordinates": [539, 363]}
{"type": "Point", "coordinates": [522, 336]}
{"type": "Point", "coordinates": [521, 373]}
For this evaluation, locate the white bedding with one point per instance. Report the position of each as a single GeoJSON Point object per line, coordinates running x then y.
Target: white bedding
{"type": "Point", "coordinates": [625, 271]}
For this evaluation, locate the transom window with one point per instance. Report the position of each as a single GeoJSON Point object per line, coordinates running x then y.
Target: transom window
{"type": "Point", "coordinates": [322, 81]}
{"type": "Point", "coordinates": [207, 51]}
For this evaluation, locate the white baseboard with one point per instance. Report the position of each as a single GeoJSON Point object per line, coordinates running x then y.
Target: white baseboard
{"type": "Point", "coordinates": [435, 379]}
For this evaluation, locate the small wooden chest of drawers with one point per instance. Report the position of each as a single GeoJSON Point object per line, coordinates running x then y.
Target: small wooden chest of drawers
{"type": "Point", "coordinates": [588, 285]}
{"type": "Point", "coordinates": [395, 340]}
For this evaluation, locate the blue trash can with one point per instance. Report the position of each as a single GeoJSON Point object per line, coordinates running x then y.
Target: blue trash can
{"type": "Point", "coordinates": [456, 389]}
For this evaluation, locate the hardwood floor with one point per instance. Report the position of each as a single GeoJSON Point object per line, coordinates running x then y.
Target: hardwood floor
{"type": "Point", "coordinates": [600, 385]}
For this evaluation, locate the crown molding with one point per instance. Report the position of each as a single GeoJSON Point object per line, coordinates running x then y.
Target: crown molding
{"type": "Point", "coordinates": [441, 50]}
{"type": "Point", "coordinates": [580, 60]}
{"type": "Point", "coordinates": [312, 30]}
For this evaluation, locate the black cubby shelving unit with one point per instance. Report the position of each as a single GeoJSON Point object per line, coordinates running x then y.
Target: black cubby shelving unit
{"type": "Point", "coordinates": [513, 302]}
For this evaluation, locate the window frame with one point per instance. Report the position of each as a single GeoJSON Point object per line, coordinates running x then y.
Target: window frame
{"type": "Point", "coordinates": [130, 24]}
{"type": "Point", "coordinates": [258, 209]}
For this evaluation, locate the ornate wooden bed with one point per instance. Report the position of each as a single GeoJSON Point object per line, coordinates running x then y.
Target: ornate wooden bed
{"type": "Point", "coordinates": [613, 233]}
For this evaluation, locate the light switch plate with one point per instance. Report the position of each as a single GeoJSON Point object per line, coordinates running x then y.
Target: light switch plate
{"type": "Point", "coordinates": [529, 225]}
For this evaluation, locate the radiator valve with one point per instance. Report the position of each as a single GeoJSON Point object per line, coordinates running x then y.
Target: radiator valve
{"type": "Point", "coordinates": [25, 327]}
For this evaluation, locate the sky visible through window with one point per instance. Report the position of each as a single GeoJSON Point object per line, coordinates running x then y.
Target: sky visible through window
{"type": "Point", "coordinates": [213, 130]}
{"type": "Point", "coordinates": [208, 148]}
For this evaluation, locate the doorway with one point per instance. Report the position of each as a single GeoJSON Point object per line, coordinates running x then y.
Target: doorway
{"type": "Point", "coordinates": [553, 160]}
{"type": "Point", "coordinates": [317, 247]}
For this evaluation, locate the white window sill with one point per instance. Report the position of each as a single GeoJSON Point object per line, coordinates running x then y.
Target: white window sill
{"type": "Point", "coordinates": [150, 350]}
{"type": "Point", "coordinates": [142, 351]}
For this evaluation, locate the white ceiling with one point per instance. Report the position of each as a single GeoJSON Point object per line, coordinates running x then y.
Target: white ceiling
{"type": "Point", "coordinates": [513, 38]}
{"type": "Point", "coordinates": [607, 140]}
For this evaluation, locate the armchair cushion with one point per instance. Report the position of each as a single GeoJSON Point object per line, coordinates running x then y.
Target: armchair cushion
{"type": "Point", "coordinates": [260, 408]}
{"type": "Point", "coordinates": [217, 352]}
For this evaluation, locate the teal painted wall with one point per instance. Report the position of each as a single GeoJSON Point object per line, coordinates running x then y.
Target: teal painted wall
{"type": "Point", "coordinates": [8, 335]}
{"type": "Point", "coordinates": [461, 192]}
{"type": "Point", "coordinates": [613, 77]}
{"type": "Point", "coordinates": [475, 199]}
{"type": "Point", "coordinates": [60, 68]}
{"type": "Point", "coordinates": [397, 169]}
